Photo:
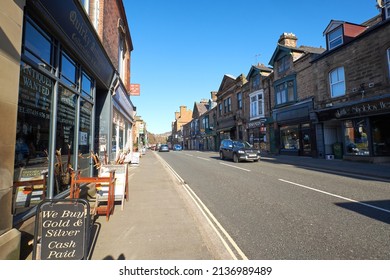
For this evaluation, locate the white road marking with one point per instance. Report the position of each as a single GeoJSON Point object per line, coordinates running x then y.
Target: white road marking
{"type": "Point", "coordinates": [235, 166]}
{"type": "Point", "coordinates": [203, 158]}
{"type": "Point", "coordinates": [207, 214]}
{"type": "Point", "coordinates": [338, 196]}
{"type": "Point", "coordinates": [189, 155]}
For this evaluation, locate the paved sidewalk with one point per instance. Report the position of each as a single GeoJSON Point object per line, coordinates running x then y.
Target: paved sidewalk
{"type": "Point", "coordinates": [157, 223]}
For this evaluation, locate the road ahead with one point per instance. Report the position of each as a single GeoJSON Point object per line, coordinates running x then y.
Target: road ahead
{"type": "Point", "coordinates": [279, 211]}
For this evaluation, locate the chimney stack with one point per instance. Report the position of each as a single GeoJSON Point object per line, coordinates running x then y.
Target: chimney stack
{"type": "Point", "coordinates": [288, 40]}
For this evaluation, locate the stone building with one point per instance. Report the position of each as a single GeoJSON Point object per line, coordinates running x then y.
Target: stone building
{"type": "Point", "coordinates": [182, 117]}
{"type": "Point", "coordinates": [257, 107]}
{"type": "Point", "coordinates": [291, 99]}
{"type": "Point", "coordinates": [230, 110]}
{"type": "Point", "coordinates": [353, 90]}
{"type": "Point", "coordinates": [58, 82]}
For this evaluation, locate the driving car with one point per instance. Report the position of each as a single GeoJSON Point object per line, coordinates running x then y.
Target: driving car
{"type": "Point", "coordinates": [177, 147]}
{"type": "Point", "coordinates": [163, 148]}
{"type": "Point", "coordinates": [238, 151]}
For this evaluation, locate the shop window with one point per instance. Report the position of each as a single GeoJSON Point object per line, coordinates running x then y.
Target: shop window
{"type": "Point", "coordinates": [32, 133]}
{"type": "Point", "coordinates": [37, 45]}
{"type": "Point", "coordinates": [86, 86]}
{"type": "Point", "coordinates": [289, 137]}
{"type": "Point", "coordinates": [356, 139]}
{"type": "Point", "coordinates": [85, 145]}
{"type": "Point", "coordinates": [68, 71]}
{"type": "Point", "coordinates": [381, 136]}
{"type": "Point", "coordinates": [66, 121]}
{"type": "Point", "coordinates": [337, 82]}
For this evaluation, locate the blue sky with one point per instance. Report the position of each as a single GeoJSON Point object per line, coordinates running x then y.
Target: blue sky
{"type": "Point", "coordinates": [182, 48]}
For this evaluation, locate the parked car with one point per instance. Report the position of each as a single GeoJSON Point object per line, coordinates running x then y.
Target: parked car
{"type": "Point", "coordinates": [238, 151]}
{"type": "Point", "coordinates": [177, 147]}
{"type": "Point", "coordinates": [163, 148]}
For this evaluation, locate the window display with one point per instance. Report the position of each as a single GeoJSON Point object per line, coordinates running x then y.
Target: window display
{"type": "Point", "coordinates": [289, 136]}
{"type": "Point", "coordinates": [356, 139]}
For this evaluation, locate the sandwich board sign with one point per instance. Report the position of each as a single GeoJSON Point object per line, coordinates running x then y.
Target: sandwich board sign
{"type": "Point", "coordinates": [62, 230]}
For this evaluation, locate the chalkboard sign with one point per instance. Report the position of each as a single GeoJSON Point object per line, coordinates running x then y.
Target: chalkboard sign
{"type": "Point", "coordinates": [62, 230]}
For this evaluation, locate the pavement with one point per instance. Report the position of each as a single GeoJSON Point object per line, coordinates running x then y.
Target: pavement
{"type": "Point", "coordinates": [160, 222]}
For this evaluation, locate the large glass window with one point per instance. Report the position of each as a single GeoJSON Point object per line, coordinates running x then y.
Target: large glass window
{"type": "Point", "coordinates": [37, 45]}
{"type": "Point", "coordinates": [32, 135]}
{"type": "Point", "coordinates": [85, 144]}
{"type": "Point", "coordinates": [381, 136]}
{"type": "Point", "coordinates": [289, 136]}
{"type": "Point", "coordinates": [86, 85]}
{"type": "Point", "coordinates": [335, 37]}
{"type": "Point", "coordinates": [66, 121]}
{"type": "Point", "coordinates": [337, 82]}
{"type": "Point", "coordinates": [356, 138]}
{"type": "Point", "coordinates": [285, 92]}
{"type": "Point", "coordinates": [68, 71]}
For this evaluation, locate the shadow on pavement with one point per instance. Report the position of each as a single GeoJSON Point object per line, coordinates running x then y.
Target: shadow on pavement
{"type": "Point", "coordinates": [378, 210]}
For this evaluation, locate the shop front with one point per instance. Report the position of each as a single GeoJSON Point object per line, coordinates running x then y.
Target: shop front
{"type": "Point", "coordinates": [65, 81]}
{"type": "Point", "coordinates": [257, 134]}
{"type": "Point", "coordinates": [364, 126]}
{"type": "Point", "coordinates": [294, 131]}
{"type": "Point", "coordinates": [122, 125]}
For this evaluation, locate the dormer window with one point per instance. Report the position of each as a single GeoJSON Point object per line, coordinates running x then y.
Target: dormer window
{"type": "Point", "coordinates": [335, 37]}
{"type": "Point", "coordinates": [387, 8]}
{"type": "Point", "coordinates": [283, 64]}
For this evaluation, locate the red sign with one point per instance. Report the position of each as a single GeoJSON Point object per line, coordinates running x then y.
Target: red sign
{"type": "Point", "coordinates": [135, 89]}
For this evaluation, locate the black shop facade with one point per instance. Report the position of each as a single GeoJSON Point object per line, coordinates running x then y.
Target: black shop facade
{"type": "Point", "coordinates": [65, 100]}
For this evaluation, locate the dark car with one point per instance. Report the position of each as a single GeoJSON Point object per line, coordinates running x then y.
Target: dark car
{"type": "Point", "coordinates": [238, 151]}
{"type": "Point", "coordinates": [163, 148]}
{"type": "Point", "coordinates": [177, 147]}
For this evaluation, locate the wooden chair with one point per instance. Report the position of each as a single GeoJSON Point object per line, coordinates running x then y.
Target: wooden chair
{"type": "Point", "coordinates": [92, 184]}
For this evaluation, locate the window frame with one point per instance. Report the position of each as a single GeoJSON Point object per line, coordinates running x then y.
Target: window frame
{"type": "Point", "coordinates": [239, 100]}
{"type": "Point", "coordinates": [256, 108]}
{"type": "Point", "coordinates": [336, 41]}
{"type": "Point", "coordinates": [337, 83]}
{"type": "Point", "coordinates": [388, 60]}
{"type": "Point", "coordinates": [387, 9]}
{"type": "Point", "coordinates": [283, 92]}
{"type": "Point", "coordinates": [283, 64]}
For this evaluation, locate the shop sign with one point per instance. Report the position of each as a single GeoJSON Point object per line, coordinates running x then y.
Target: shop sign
{"type": "Point", "coordinates": [61, 230]}
{"type": "Point", "coordinates": [255, 124]}
{"type": "Point", "coordinates": [79, 32]}
{"type": "Point", "coordinates": [363, 108]}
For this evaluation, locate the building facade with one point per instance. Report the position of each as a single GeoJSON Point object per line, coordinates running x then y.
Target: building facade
{"type": "Point", "coordinates": [59, 101]}
{"type": "Point", "coordinates": [353, 97]}
{"type": "Point", "coordinates": [292, 94]}
{"type": "Point", "coordinates": [257, 107]}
